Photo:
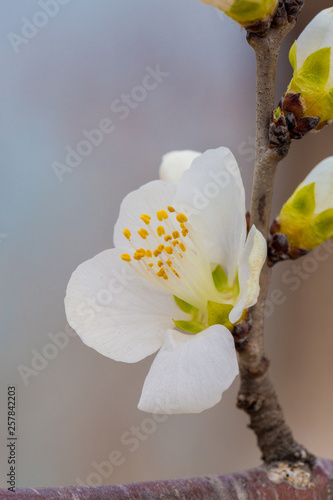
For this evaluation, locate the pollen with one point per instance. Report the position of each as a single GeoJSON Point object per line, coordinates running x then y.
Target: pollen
{"type": "Point", "coordinates": [168, 237]}
{"type": "Point", "coordinates": [143, 233]}
{"type": "Point", "coordinates": [160, 263]}
{"type": "Point", "coordinates": [168, 250]}
{"type": "Point", "coordinates": [175, 242]}
{"type": "Point", "coordinates": [126, 257]}
{"type": "Point", "coordinates": [171, 209]}
{"type": "Point", "coordinates": [149, 253]}
{"type": "Point", "coordinates": [161, 272]}
{"type": "Point", "coordinates": [182, 246]}
{"type": "Point", "coordinates": [156, 252]}
{"type": "Point", "coordinates": [161, 214]}
{"type": "Point", "coordinates": [175, 234]}
{"type": "Point", "coordinates": [169, 262]}
{"type": "Point", "coordinates": [150, 264]}
{"type": "Point", "coordinates": [184, 232]}
{"type": "Point", "coordinates": [181, 217]}
{"type": "Point", "coordinates": [160, 230]}
{"type": "Point", "coordinates": [146, 218]}
{"type": "Point", "coordinates": [127, 233]}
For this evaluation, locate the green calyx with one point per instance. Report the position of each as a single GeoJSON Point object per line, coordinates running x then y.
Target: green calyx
{"type": "Point", "coordinates": [303, 227]}
{"type": "Point", "coordinates": [215, 313]}
{"type": "Point", "coordinates": [247, 12]}
{"type": "Point", "coordinates": [311, 82]}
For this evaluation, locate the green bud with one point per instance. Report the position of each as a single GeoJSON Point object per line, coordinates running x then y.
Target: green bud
{"type": "Point", "coordinates": [307, 217]}
{"type": "Point", "coordinates": [245, 12]}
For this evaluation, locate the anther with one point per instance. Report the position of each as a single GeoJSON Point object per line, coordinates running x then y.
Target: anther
{"type": "Point", "coordinates": [175, 234]}
{"type": "Point", "coordinates": [126, 257]}
{"type": "Point", "coordinates": [168, 237]}
{"type": "Point", "coordinates": [127, 233]}
{"type": "Point", "coordinates": [171, 209]}
{"type": "Point", "coordinates": [168, 250]}
{"type": "Point", "coordinates": [143, 233]}
{"type": "Point", "coordinates": [146, 218]}
{"type": "Point", "coordinates": [160, 230]}
{"type": "Point", "coordinates": [182, 246]}
{"type": "Point", "coordinates": [181, 218]}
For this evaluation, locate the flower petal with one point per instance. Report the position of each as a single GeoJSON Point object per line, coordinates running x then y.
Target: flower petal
{"type": "Point", "coordinates": [322, 176]}
{"type": "Point", "coordinates": [212, 193]}
{"type": "Point", "coordinates": [175, 163]}
{"type": "Point", "coordinates": [250, 265]}
{"type": "Point", "coordinates": [117, 312]}
{"type": "Point", "coordinates": [190, 372]}
{"type": "Point", "coordinates": [317, 35]}
{"type": "Point", "coordinates": [148, 199]}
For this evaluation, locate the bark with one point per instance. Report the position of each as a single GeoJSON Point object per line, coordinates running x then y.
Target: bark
{"type": "Point", "coordinates": [254, 484]}
{"type": "Point", "coordinates": [257, 395]}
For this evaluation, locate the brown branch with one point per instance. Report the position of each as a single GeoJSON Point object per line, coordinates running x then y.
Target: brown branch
{"type": "Point", "coordinates": [255, 483]}
{"type": "Point", "coordinates": [257, 395]}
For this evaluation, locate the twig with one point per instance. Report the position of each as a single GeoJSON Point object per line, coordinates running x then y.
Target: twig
{"type": "Point", "coordinates": [257, 395]}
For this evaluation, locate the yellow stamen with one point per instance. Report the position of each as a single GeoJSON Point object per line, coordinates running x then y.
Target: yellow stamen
{"type": "Point", "coordinates": [168, 250]}
{"type": "Point", "coordinates": [143, 233]}
{"type": "Point", "coordinates": [137, 257]}
{"type": "Point", "coordinates": [175, 272]}
{"type": "Point", "coordinates": [169, 262]}
{"type": "Point", "coordinates": [165, 277]}
{"type": "Point", "coordinates": [127, 233]}
{"type": "Point", "coordinates": [175, 234]}
{"type": "Point", "coordinates": [146, 218]}
{"type": "Point", "coordinates": [150, 264]}
{"type": "Point", "coordinates": [171, 209]}
{"type": "Point", "coordinates": [168, 237]}
{"type": "Point", "coordinates": [149, 253]}
{"type": "Point", "coordinates": [160, 230]}
{"type": "Point", "coordinates": [160, 263]}
{"type": "Point", "coordinates": [182, 246]}
{"type": "Point", "coordinates": [184, 232]}
{"type": "Point", "coordinates": [161, 272]}
{"type": "Point", "coordinates": [175, 242]}
{"type": "Point", "coordinates": [161, 214]}
{"type": "Point", "coordinates": [126, 257]}
{"type": "Point", "coordinates": [156, 252]}
{"type": "Point", "coordinates": [181, 217]}
{"type": "Point", "coordinates": [160, 247]}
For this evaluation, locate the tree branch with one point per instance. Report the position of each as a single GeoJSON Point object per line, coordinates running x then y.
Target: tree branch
{"type": "Point", "coordinates": [257, 395]}
{"type": "Point", "coordinates": [261, 483]}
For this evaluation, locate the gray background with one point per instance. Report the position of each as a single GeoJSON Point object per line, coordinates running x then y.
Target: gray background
{"type": "Point", "coordinates": [74, 411]}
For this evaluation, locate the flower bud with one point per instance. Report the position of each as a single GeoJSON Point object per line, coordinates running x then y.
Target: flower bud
{"type": "Point", "coordinates": [312, 61]}
{"type": "Point", "coordinates": [245, 12]}
{"type": "Point", "coordinates": [307, 217]}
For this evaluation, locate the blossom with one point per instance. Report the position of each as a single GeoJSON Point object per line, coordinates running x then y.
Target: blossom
{"type": "Point", "coordinates": [245, 12]}
{"type": "Point", "coordinates": [312, 61]}
{"type": "Point", "coordinates": [175, 163]}
{"type": "Point", "coordinates": [180, 276]}
{"type": "Point", "coordinates": [307, 217]}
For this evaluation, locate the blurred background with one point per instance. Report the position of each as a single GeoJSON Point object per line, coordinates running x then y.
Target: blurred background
{"type": "Point", "coordinates": [66, 66]}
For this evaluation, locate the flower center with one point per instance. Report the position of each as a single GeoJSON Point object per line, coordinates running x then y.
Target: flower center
{"type": "Point", "coordinates": [172, 257]}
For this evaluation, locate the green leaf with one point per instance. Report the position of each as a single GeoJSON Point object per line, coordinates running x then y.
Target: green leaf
{"type": "Point", "coordinates": [316, 68]}
{"type": "Point", "coordinates": [218, 314]}
{"type": "Point", "coordinates": [304, 200]}
{"type": "Point", "coordinates": [293, 55]}
{"type": "Point", "coordinates": [220, 278]}
{"type": "Point", "coordinates": [185, 306]}
{"type": "Point", "coordinates": [189, 326]}
{"type": "Point", "coordinates": [323, 224]}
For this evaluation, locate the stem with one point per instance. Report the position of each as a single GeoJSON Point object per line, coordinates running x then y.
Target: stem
{"type": "Point", "coordinates": [257, 395]}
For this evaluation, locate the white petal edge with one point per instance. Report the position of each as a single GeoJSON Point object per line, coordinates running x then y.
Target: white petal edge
{"type": "Point", "coordinates": [250, 265]}
{"type": "Point", "coordinates": [175, 163]}
{"type": "Point", "coordinates": [322, 175]}
{"type": "Point", "coordinates": [115, 311]}
{"type": "Point", "coordinates": [212, 194]}
{"type": "Point", "coordinates": [190, 372]}
{"type": "Point", "coordinates": [316, 35]}
{"type": "Point", "coordinates": [148, 199]}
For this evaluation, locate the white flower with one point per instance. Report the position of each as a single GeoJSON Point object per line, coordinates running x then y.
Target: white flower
{"type": "Point", "coordinates": [245, 12]}
{"type": "Point", "coordinates": [307, 217]}
{"type": "Point", "coordinates": [182, 272]}
{"type": "Point", "coordinates": [175, 163]}
{"type": "Point", "coordinates": [312, 61]}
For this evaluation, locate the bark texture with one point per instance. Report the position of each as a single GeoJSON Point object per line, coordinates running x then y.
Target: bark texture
{"type": "Point", "coordinates": [257, 395]}
{"type": "Point", "coordinates": [250, 485]}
